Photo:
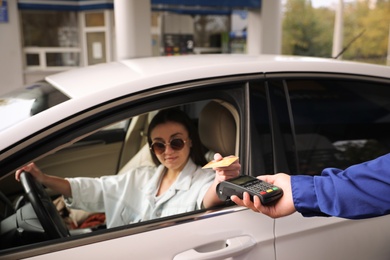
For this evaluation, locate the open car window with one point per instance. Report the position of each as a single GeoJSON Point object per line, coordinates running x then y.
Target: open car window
{"type": "Point", "coordinates": [115, 149]}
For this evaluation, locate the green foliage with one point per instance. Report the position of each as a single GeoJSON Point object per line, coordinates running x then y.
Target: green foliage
{"type": "Point", "coordinates": [308, 31]}
{"type": "Point", "coordinates": [375, 22]}
{"type": "Point", "coordinates": [305, 28]}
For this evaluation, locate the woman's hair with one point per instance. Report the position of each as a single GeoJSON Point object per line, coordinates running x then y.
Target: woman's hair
{"type": "Point", "coordinates": [197, 151]}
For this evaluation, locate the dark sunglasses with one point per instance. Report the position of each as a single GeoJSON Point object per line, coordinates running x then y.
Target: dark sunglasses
{"type": "Point", "coordinates": [159, 147]}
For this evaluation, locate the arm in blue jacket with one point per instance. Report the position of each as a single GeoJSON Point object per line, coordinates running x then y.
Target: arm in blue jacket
{"type": "Point", "coordinates": [360, 191]}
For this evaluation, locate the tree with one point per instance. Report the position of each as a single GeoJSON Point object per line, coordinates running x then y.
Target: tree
{"type": "Point", "coordinates": [305, 29]}
{"type": "Point", "coordinates": [375, 21]}
{"type": "Point", "coordinates": [309, 31]}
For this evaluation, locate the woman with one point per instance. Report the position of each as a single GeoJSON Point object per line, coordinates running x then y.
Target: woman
{"type": "Point", "coordinates": [177, 184]}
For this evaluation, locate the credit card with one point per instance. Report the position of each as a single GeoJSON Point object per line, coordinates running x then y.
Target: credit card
{"type": "Point", "coordinates": [222, 163]}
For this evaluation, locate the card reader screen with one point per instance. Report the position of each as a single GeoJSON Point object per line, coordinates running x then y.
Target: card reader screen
{"type": "Point", "coordinates": [242, 180]}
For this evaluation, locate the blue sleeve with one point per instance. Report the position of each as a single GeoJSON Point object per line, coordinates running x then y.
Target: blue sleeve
{"type": "Point", "coordinates": [360, 191]}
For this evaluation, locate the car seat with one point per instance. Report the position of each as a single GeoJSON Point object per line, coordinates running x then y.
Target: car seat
{"type": "Point", "coordinates": [218, 129]}
{"type": "Point", "coordinates": [135, 137]}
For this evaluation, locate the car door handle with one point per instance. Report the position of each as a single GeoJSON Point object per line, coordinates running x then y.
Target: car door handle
{"type": "Point", "coordinates": [219, 249]}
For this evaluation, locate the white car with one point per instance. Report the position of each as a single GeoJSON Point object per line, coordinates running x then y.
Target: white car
{"type": "Point", "coordinates": [277, 114]}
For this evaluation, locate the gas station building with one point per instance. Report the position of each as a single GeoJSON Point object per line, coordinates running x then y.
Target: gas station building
{"type": "Point", "coordinates": [42, 37]}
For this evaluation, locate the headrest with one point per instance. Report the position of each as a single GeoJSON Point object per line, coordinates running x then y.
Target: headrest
{"type": "Point", "coordinates": [217, 129]}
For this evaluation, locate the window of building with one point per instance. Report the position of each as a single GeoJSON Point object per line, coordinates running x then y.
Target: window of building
{"type": "Point", "coordinates": [57, 45]}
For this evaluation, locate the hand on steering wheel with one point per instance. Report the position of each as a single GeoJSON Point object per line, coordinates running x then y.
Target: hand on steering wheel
{"type": "Point", "coordinates": [43, 206]}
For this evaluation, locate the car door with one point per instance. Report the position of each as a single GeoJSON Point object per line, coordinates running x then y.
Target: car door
{"type": "Point", "coordinates": [218, 233]}
{"type": "Point", "coordinates": [329, 121]}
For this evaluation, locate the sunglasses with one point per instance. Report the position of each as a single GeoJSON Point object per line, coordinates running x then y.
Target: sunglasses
{"type": "Point", "coordinates": [159, 147]}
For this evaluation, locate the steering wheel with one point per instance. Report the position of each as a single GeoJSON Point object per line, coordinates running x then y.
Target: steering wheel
{"type": "Point", "coordinates": [43, 206]}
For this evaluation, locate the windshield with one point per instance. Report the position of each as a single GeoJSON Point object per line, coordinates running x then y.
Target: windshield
{"type": "Point", "coordinates": [24, 103]}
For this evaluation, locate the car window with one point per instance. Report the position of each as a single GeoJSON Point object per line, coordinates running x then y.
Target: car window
{"type": "Point", "coordinates": [318, 123]}
{"type": "Point", "coordinates": [338, 122]}
{"type": "Point", "coordinates": [260, 131]}
{"type": "Point", "coordinates": [100, 152]}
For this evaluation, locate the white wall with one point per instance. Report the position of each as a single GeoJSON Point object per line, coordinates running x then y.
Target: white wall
{"type": "Point", "coordinates": [11, 65]}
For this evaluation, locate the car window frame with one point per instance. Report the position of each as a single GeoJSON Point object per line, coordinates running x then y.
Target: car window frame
{"type": "Point", "coordinates": [120, 109]}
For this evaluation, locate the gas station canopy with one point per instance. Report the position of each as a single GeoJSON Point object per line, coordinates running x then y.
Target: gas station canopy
{"type": "Point", "coordinates": [206, 7]}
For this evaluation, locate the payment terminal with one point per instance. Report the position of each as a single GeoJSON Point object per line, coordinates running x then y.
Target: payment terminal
{"type": "Point", "coordinates": [267, 192]}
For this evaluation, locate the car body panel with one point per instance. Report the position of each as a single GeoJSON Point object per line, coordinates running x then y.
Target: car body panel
{"type": "Point", "coordinates": [299, 236]}
{"type": "Point", "coordinates": [149, 72]}
{"type": "Point", "coordinates": [192, 236]}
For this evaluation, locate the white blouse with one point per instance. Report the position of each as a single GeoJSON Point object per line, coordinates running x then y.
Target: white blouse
{"type": "Point", "coordinates": [131, 197]}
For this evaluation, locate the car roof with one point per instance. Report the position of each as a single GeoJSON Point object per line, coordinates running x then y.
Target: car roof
{"type": "Point", "coordinates": [154, 71]}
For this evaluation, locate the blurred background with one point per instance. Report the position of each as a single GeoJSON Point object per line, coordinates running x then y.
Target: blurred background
{"type": "Point", "coordinates": [41, 37]}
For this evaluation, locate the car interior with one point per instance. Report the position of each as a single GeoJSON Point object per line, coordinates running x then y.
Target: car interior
{"type": "Point", "coordinates": [101, 154]}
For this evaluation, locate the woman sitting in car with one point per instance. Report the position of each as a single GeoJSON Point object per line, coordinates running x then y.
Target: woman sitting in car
{"type": "Point", "coordinates": [177, 183]}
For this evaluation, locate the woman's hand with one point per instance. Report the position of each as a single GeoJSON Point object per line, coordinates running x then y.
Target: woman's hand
{"type": "Point", "coordinates": [33, 170]}
{"type": "Point", "coordinates": [228, 172]}
{"type": "Point", "coordinates": [221, 174]}
{"type": "Point", "coordinates": [57, 184]}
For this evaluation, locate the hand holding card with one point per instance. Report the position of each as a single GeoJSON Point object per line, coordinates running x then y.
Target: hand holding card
{"type": "Point", "coordinates": [222, 163]}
